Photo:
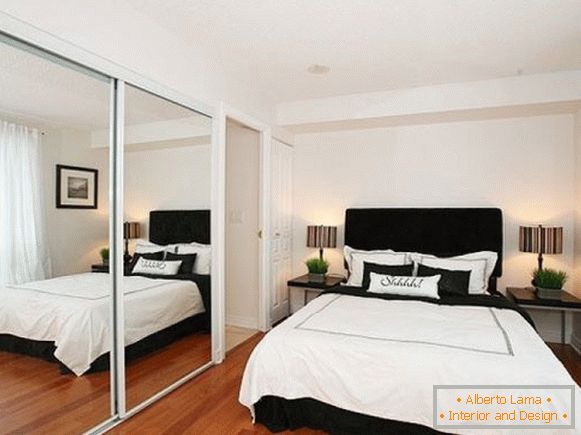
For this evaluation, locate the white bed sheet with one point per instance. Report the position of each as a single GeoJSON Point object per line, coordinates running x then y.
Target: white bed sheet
{"type": "Point", "coordinates": [74, 312]}
{"type": "Point", "coordinates": [382, 358]}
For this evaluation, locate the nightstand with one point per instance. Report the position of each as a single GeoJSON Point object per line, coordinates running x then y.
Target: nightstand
{"type": "Point", "coordinates": [526, 297]}
{"type": "Point", "coordinates": [100, 268]}
{"type": "Point", "coordinates": [314, 287]}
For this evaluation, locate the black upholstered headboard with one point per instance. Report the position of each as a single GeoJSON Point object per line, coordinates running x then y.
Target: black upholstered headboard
{"type": "Point", "coordinates": [179, 226]}
{"type": "Point", "coordinates": [443, 232]}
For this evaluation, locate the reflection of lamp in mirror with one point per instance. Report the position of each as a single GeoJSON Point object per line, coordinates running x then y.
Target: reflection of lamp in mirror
{"type": "Point", "coordinates": [541, 240]}
{"type": "Point", "coordinates": [321, 236]}
{"type": "Point", "coordinates": [131, 230]}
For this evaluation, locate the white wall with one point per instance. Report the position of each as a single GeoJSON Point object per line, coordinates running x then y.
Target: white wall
{"type": "Point", "coordinates": [576, 339]}
{"type": "Point", "coordinates": [525, 166]}
{"type": "Point", "coordinates": [577, 143]}
{"type": "Point", "coordinates": [242, 221]}
{"type": "Point", "coordinates": [161, 179]}
{"type": "Point", "coordinates": [166, 179]}
{"type": "Point", "coordinates": [75, 236]}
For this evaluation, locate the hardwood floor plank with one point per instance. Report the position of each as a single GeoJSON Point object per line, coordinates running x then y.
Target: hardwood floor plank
{"type": "Point", "coordinates": [36, 398]}
{"type": "Point", "coordinates": [209, 404]}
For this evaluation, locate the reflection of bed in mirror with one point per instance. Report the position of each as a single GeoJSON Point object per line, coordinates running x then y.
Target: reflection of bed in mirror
{"type": "Point", "coordinates": [66, 320]}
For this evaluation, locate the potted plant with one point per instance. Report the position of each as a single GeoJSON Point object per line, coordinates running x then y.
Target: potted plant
{"type": "Point", "coordinates": [104, 255]}
{"type": "Point", "coordinates": [549, 282]}
{"type": "Point", "coordinates": [317, 269]}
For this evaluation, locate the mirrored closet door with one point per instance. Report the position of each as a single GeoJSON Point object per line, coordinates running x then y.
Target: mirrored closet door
{"type": "Point", "coordinates": [168, 247]}
{"type": "Point", "coordinates": [55, 286]}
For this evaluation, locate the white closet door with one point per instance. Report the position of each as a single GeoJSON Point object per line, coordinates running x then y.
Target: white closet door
{"type": "Point", "coordinates": [281, 225]}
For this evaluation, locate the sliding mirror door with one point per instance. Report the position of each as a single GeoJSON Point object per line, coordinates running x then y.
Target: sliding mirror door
{"type": "Point", "coordinates": [167, 232]}
{"type": "Point", "coordinates": [55, 289]}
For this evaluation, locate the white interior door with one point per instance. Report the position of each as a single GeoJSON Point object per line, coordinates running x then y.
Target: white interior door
{"type": "Point", "coordinates": [281, 229]}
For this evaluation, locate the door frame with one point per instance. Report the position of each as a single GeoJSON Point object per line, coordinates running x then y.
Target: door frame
{"type": "Point", "coordinates": [223, 113]}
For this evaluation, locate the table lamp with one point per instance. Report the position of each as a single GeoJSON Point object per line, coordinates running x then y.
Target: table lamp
{"type": "Point", "coordinates": [540, 240]}
{"type": "Point", "coordinates": [321, 236]}
{"type": "Point", "coordinates": [131, 230]}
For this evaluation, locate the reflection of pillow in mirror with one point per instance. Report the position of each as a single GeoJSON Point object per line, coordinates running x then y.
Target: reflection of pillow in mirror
{"type": "Point", "coordinates": [145, 247]}
{"type": "Point", "coordinates": [203, 264]}
{"type": "Point", "coordinates": [188, 261]}
{"type": "Point", "coordinates": [156, 267]}
{"type": "Point", "coordinates": [148, 256]}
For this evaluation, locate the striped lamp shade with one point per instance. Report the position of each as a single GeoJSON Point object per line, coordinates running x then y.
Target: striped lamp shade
{"type": "Point", "coordinates": [131, 230]}
{"type": "Point", "coordinates": [542, 240]}
{"type": "Point", "coordinates": [320, 236]}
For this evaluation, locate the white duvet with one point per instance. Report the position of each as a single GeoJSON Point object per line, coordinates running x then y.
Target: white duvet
{"type": "Point", "coordinates": [382, 358]}
{"type": "Point", "coordinates": [74, 312]}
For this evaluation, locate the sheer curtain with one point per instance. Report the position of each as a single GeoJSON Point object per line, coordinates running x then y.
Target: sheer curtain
{"type": "Point", "coordinates": [23, 247]}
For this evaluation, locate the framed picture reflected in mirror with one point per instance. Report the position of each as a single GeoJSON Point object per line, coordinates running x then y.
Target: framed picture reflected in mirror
{"type": "Point", "coordinates": [76, 187]}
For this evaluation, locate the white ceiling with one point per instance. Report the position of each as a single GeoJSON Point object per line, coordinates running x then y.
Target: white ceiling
{"type": "Point", "coordinates": [375, 45]}
{"type": "Point", "coordinates": [47, 94]}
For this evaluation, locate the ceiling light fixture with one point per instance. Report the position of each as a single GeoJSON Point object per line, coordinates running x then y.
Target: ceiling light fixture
{"type": "Point", "coordinates": [318, 69]}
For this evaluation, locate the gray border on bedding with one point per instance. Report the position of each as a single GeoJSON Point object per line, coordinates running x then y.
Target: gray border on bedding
{"type": "Point", "coordinates": [509, 349]}
{"type": "Point", "coordinates": [86, 298]}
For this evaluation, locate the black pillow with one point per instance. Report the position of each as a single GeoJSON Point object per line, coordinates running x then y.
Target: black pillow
{"type": "Point", "coordinates": [148, 256]}
{"type": "Point", "coordinates": [187, 260]}
{"type": "Point", "coordinates": [384, 269]}
{"type": "Point", "coordinates": [452, 282]}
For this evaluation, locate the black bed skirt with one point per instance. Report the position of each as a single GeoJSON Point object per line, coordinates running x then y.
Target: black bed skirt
{"type": "Point", "coordinates": [45, 349]}
{"type": "Point", "coordinates": [279, 414]}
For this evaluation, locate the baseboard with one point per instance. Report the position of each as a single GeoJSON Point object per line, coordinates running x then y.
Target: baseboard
{"type": "Point", "coordinates": [242, 321]}
{"type": "Point", "coordinates": [576, 343]}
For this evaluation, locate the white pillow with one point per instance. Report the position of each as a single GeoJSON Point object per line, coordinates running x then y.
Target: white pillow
{"type": "Point", "coordinates": [348, 252]}
{"type": "Point", "coordinates": [146, 247]}
{"type": "Point", "coordinates": [404, 285]}
{"type": "Point", "coordinates": [377, 257]}
{"type": "Point", "coordinates": [477, 284]}
{"type": "Point", "coordinates": [203, 263]}
{"type": "Point", "coordinates": [489, 256]}
{"type": "Point", "coordinates": [157, 267]}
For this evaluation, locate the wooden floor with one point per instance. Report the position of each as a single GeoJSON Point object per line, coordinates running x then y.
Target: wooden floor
{"type": "Point", "coordinates": [36, 398]}
{"type": "Point", "coordinates": [209, 404]}
{"type": "Point", "coordinates": [236, 335]}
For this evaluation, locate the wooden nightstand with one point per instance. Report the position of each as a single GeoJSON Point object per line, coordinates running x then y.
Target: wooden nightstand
{"type": "Point", "coordinates": [314, 287]}
{"type": "Point", "coordinates": [527, 297]}
{"type": "Point", "coordinates": [100, 268]}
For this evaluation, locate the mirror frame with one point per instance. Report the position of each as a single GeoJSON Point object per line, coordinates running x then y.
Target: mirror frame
{"type": "Point", "coordinates": [39, 41]}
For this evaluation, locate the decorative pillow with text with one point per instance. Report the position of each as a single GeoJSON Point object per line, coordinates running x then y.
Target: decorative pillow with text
{"type": "Point", "coordinates": [156, 267]}
{"type": "Point", "coordinates": [426, 287]}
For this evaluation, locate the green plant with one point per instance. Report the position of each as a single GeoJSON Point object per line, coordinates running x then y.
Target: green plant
{"type": "Point", "coordinates": [317, 265]}
{"type": "Point", "coordinates": [549, 278]}
{"type": "Point", "coordinates": [104, 254]}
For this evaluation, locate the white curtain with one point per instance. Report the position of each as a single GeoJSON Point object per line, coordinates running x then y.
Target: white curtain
{"type": "Point", "coordinates": [23, 247]}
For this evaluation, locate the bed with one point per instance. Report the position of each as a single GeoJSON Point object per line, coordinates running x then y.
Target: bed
{"type": "Point", "coordinates": [355, 362]}
{"type": "Point", "coordinates": [67, 319]}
